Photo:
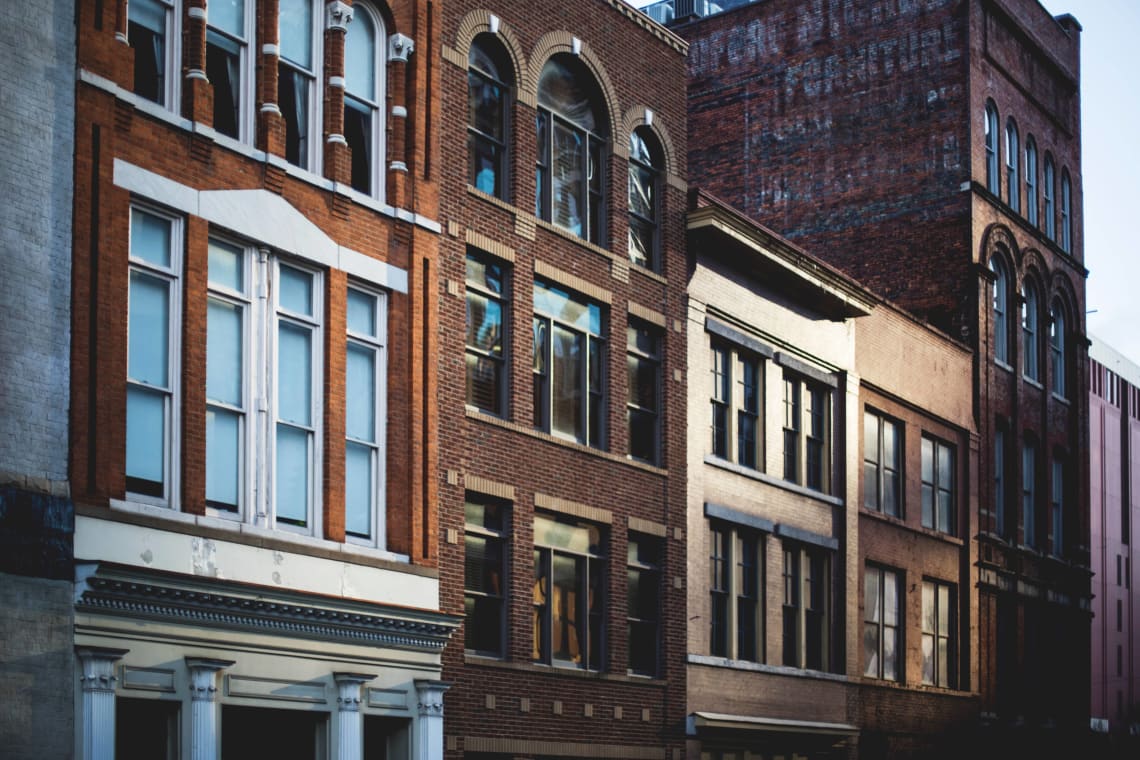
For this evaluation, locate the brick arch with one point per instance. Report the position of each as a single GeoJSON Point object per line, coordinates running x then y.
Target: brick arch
{"type": "Point", "coordinates": [1061, 289]}
{"type": "Point", "coordinates": [478, 21]}
{"type": "Point", "coordinates": [562, 42]}
{"type": "Point", "coordinates": [636, 117]}
{"type": "Point", "coordinates": [999, 236]}
{"type": "Point", "coordinates": [1033, 267]}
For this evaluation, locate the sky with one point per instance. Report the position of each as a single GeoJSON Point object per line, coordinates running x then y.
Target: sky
{"type": "Point", "coordinates": [1110, 119]}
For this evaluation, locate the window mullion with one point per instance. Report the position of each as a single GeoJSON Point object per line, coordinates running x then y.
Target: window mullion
{"type": "Point", "coordinates": [262, 381]}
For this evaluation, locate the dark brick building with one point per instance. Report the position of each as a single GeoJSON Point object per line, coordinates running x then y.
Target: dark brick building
{"type": "Point", "coordinates": [562, 461]}
{"type": "Point", "coordinates": [932, 151]}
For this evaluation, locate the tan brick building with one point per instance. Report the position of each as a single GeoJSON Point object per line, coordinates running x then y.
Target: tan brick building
{"type": "Point", "coordinates": [562, 374]}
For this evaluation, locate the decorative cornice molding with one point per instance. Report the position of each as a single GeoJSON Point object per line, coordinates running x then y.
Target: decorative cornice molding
{"type": "Point", "coordinates": [156, 601]}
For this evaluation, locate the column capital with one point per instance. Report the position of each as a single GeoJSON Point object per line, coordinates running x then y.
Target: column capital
{"type": "Point", "coordinates": [337, 15]}
{"type": "Point", "coordinates": [430, 696]}
{"type": "Point", "coordinates": [348, 690]}
{"type": "Point", "coordinates": [203, 685]}
{"type": "Point", "coordinates": [97, 667]}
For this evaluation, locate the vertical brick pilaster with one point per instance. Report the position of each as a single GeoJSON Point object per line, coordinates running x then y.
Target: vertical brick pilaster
{"type": "Point", "coordinates": [334, 403]}
{"type": "Point", "coordinates": [396, 166]}
{"type": "Point", "coordinates": [270, 125]}
{"type": "Point", "coordinates": [197, 92]}
{"type": "Point", "coordinates": [337, 16]}
{"type": "Point", "coordinates": [194, 298]}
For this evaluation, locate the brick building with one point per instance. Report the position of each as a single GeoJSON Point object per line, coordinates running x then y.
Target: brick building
{"type": "Point", "coordinates": [931, 150]}
{"type": "Point", "coordinates": [254, 260]}
{"type": "Point", "coordinates": [1114, 478]}
{"type": "Point", "coordinates": [37, 61]}
{"type": "Point", "coordinates": [562, 376]}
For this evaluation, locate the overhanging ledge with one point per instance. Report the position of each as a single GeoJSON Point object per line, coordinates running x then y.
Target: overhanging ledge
{"type": "Point", "coordinates": [706, 722]}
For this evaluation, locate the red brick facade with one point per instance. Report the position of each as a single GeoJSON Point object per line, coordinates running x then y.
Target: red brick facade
{"type": "Point", "coordinates": [508, 704]}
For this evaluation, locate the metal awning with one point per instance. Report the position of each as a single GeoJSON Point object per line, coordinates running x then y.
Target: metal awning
{"type": "Point", "coordinates": [783, 731]}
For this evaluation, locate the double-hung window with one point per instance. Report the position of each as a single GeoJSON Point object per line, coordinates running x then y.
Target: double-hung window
{"type": "Point", "coordinates": [806, 607]}
{"type": "Point", "coordinates": [1001, 310]}
{"type": "Point", "coordinates": [643, 372]}
{"type": "Point", "coordinates": [228, 360]}
{"type": "Point", "coordinates": [1012, 153]}
{"type": "Point", "coordinates": [938, 638]}
{"type": "Point", "coordinates": [1066, 212]}
{"type": "Point", "coordinates": [993, 177]}
{"type": "Point", "coordinates": [231, 25]}
{"type": "Point", "coordinates": [643, 602]}
{"type": "Point", "coordinates": [938, 485]}
{"type": "Point", "coordinates": [1057, 507]}
{"type": "Point", "coordinates": [736, 394]}
{"type": "Point", "coordinates": [486, 358]}
{"type": "Point", "coordinates": [1031, 180]}
{"type": "Point", "coordinates": [271, 349]}
{"type": "Point", "coordinates": [882, 457]}
{"type": "Point", "coordinates": [644, 172]}
{"type": "Point", "coordinates": [881, 623]}
{"type": "Point", "coordinates": [736, 561]}
{"type": "Point", "coordinates": [569, 171]}
{"type": "Point", "coordinates": [365, 372]}
{"type": "Point", "coordinates": [297, 76]}
{"type": "Point", "coordinates": [569, 372]}
{"type": "Point", "coordinates": [1057, 349]}
{"type": "Point", "coordinates": [806, 432]}
{"type": "Point", "coordinates": [1031, 367]}
{"type": "Point", "coordinates": [569, 592]}
{"type": "Point", "coordinates": [363, 95]}
{"type": "Point", "coordinates": [1029, 493]}
{"type": "Point", "coordinates": [488, 112]}
{"type": "Point", "coordinates": [153, 324]}
{"type": "Point", "coordinates": [153, 31]}
{"type": "Point", "coordinates": [1049, 190]}
{"type": "Point", "coordinates": [485, 575]}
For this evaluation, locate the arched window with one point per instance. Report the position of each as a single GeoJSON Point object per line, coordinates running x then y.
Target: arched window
{"type": "Point", "coordinates": [1066, 212]}
{"type": "Point", "coordinates": [1012, 152]}
{"type": "Point", "coordinates": [1029, 332]}
{"type": "Point", "coordinates": [488, 112]}
{"type": "Point", "coordinates": [1031, 179]}
{"type": "Point", "coordinates": [1048, 188]}
{"type": "Point", "coordinates": [993, 182]}
{"type": "Point", "coordinates": [645, 163]}
{"type": "Point", "coordinates": [297, 75]}
{"type": "Point", "coordinates": [1001, 310]}
{"type": "Point", "coordinates": [1057, 349]}
{"type": "Point", "coordinates": [569, 170]}
{"type": "Point", "coordinates": [363, 94]}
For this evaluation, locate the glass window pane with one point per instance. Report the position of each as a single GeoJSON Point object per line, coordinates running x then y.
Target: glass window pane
{"type": "Point", "coordinates": [484, 323]}
{"type": "Point", "coordinates": [149, 13]}
{"type": "Point", "coordinates": [223, 457]}
{"type": "Point", "coordinates": [358, 489]}
{"type": "Point", "coordinates": [225, 266]}
{"type": "Point", "coordinates": [361, 313]}
{"type": "Point", "coordinates": [360, 56]}
{"type": "Point", "coordinates": [945, 467]}
{"type": "Point", "coordinates": [224, 352]}
{"type": "Point", "coordinates": [890, 600]}
{"type": "Point", "coordinates": [871, 438]}
{"type": "Point", "coordinates": [566, 624]}
{"type": "Point", "coordinates": [485, 104]}
{"type": "Point", "coordinates": [360, 392]}
{"type": "Point", "coordinates": [927, 659]}
{"type": "Point", "coordinates": [871, 650]}
{"type": "Point", "coordinates": [871, 602]}
{"type": "Point", "coordinates": [927, 460]}
{"type": "Point", "coordinates": [568, 377]}
{"type": "Point", "coordinates": [943, 610]}
{"type": "Point", "coordinates": [568, 201]}
{"type": "Point", "coordinates": [890, 656]}
{"type": "Point", "coordinates": [943, 662]}
{"type": "Point", "coordinates": [296, 291]}
{"type": "Point", "coordinates": [928, 607]}
{"type": "Point", "coordinates": [146, 434]}
{"type": "Point", "coordinates": [150, 235]}
{"type": "Point", "coordinates": [295, 31]}
{"type": "Point", "coordinates": [294, 374]}
{"type": "Point", "coordinates": [292, 474]}
{"type": "Point", "coordinates": [148, 329]}
{"type": "Point", "coordinates": [227, 15]}
{"type": "Point", "coordinates": [641, 188]}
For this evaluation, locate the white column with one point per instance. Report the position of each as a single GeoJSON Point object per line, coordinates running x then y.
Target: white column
{"type": "Point", "coordinates": [349, 739]}
{"type": "Point", "coordinates": [429, 720]}
{"type": "Point", "coordinates": [97, 719]}
{"type": "Point", "coordinates": [203, 706]}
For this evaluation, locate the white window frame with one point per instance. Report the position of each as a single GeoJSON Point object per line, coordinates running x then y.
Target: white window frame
{"type": "Point", "coordinates": [376, 104]}
{"type": "Point", "coordinates": [275, 316]}
{"type": "Point", "coordinates": [172, 75]}
{"type": "Point", "coordinates": [377, 343]}
{"type": "Point", "coordinates": [315, 149]}
{"type": "Point", "coordinates": [247, 87]}
{"type": "Point", "coordinates": [171, 414]}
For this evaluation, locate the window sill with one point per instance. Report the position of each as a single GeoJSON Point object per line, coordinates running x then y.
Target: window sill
{"type": "Point", "coordinates": [470, 658]}
{"type": "Point", "coordinates": [1032, 382]}
{"type": "Point", "coordinates": [570, 236]}
{"type": "Point", "coordinates": [919, 529]}
{"type": "Point", "coordinates": [1059, 399]}
{"type": "Point", "coordinates": [475, 414]}
{"type": "Point", "coordinates": [1002, 365]}
{"type": "Point", "coordinates": [224, 529]}
{"type": "Point", "coordinates": [163, 114]}
{"type": "Point", "coordinates": [762, 477]}
{"type": "Point", "coordinates": [759, 667]}
{"type": "Point", "coordinates": [915, 688]}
